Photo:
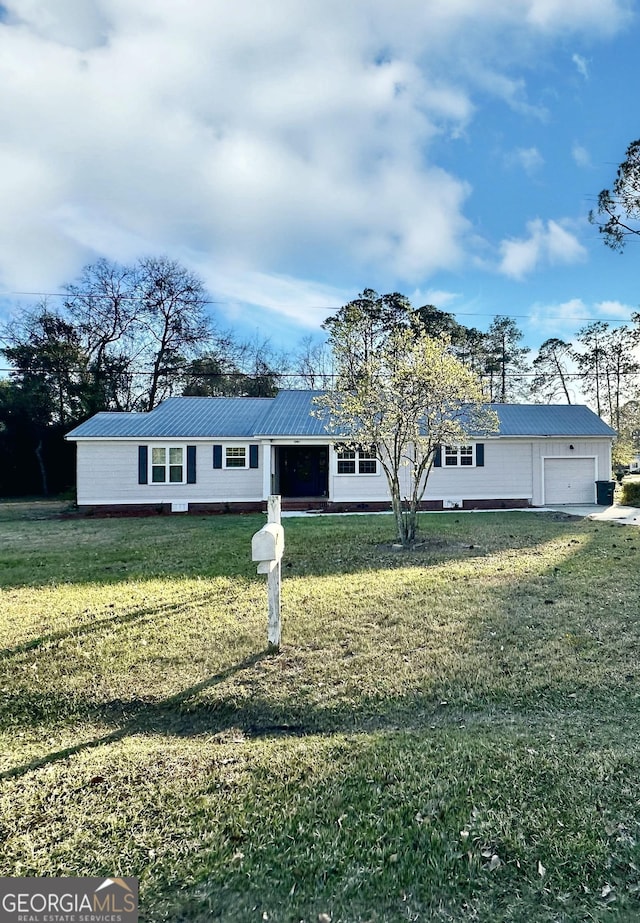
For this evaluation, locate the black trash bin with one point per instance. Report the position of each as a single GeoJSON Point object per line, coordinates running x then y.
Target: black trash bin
{"type": "Point", "coordinates": [604, 492]}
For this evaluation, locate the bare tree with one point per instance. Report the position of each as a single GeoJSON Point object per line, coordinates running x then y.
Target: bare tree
{"type": "Point", "coordinates": [313, 364]}
{"type": "Point", "coordinates": [140, 325]}
{"type": "Point", "coordinates": [104, 307]}
{"type": "Point", "coordinates": [173, 325]}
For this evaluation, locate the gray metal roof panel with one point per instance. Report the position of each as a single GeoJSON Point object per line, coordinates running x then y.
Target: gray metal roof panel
{"type": "Point", "coordinates": [550, 420]}
{"type": "Point", "coordinates": [290, 414]}
{"type": "Point", "coordinates": [209, 416]}
{"type": "Point", "coordinates": [116, 424]}
{"type": "Point", "coordinates": [180, 418]}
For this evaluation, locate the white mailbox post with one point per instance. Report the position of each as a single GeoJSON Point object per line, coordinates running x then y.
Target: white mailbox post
{"type": "Point", "coordinates": [267, 547]}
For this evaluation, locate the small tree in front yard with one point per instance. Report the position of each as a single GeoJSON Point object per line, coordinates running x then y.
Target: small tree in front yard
{"type": "Point", "coordinates": [412, 397]}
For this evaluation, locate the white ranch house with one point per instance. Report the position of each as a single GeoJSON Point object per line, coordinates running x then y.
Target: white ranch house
{"type": "Point", "coordinates": [215, 453]}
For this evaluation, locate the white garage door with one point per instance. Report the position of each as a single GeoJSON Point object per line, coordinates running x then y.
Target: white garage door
{"type": "Point", "coordinates": [569, 480]}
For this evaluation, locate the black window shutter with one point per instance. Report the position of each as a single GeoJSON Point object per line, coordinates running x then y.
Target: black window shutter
{"type": "Point", "coordinates": [217, 456]}
{"type": "Point", "coordinates": [191, 464]}
{"type": "Point", "coordinates": [437, 457]}
{"type": "Point", "coordinates": [480, 455]}
{"type": "Point", "coordinates": [143, 475]}
{"type": "Point", "coordinates": [253, 456]}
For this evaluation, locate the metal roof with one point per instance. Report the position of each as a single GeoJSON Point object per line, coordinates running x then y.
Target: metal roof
{"type": "Point", "coordinates": [289, 414]}
{"type": "Point", "coordinates": [180, 418]}
{"type": "Point", "coordinates": [549, 420]}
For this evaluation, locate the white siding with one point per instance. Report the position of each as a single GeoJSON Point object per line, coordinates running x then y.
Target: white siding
{"type": "Point", "coordinates": [513, 469]}
{"type": "Point", "coordinates": [506, 474]}
{"type": "Point", "coordinates": [108, 473]}
{"type": "Point", "coordinates": [346, 488]}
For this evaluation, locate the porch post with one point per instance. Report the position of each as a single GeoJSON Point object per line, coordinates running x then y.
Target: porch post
{"type": "Point", "coordinates": [267, 463]}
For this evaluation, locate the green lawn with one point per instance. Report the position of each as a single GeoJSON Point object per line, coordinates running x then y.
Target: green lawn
{"type": "Point", "coordinates": [451, 733]}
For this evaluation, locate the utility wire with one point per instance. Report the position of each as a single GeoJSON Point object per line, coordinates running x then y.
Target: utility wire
{"type": "Point", "coordinates": [613, 320]}
{"type": "Point", "coordinates": [257, 376]}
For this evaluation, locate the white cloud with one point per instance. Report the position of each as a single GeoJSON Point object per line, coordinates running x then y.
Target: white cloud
{"type": "Point", "coordinates": [614, 310]}
{"type": "Point", "coordinates": [546, 243]}
{"type": "Point", "coordinates": [304, 303]}
{"type": "Point", "coordinates": [520, 257]}
{"type": "Point", "coordinates": [581, 64]}
{"type": "Point", "coordinates": [581, 155]}
{"type": "Point", "coordinates": [564, 319]}
{"type": "Point", "coordinates": [279, 138]}
{"type": "Point", "coordinates": [561, 320]}
{"type": "Point", "coordinates": [77, 23]}
{"type": "Point", "coordinates": [562, 246]}
{"type": "Point", "coordinates": [529, 158]}
{"type": "Point", "coordinates": [441, 298]}
{"type": "Point", "coordinates": [605, 16]}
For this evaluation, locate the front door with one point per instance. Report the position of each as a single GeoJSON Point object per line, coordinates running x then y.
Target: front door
{"type": "Point", "coordinates": [303, 470]}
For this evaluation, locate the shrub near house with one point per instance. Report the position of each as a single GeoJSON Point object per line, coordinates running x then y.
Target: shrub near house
{"type": "Point", "coordinates": [630, 495]}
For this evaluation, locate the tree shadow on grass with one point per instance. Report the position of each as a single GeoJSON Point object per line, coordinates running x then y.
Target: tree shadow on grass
{"type": "Point", "coordinates": [220, 547]}
{"type": "Point", "coordinates": [186, 715]}
{"type": "Point", "coordinates": [158, 717]}
{"type": "Point", "coordinates": [189, 713]}
{"type": "Point", "coordinates": [490, 748]}
{"type": "Point", "coordinates": [97, 625]}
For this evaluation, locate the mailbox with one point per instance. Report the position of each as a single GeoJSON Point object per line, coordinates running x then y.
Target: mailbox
{"type": "Point", "coordinates": [267, 546]}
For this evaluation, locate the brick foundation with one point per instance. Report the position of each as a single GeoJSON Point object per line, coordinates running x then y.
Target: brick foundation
{"type": "Point", "coordinates": [307, 505]}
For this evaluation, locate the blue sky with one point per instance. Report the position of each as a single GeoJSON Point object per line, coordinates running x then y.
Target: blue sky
{"type": "Point", "coordinates": [295, 153]}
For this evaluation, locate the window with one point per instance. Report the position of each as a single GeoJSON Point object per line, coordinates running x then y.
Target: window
{"type": "Point", "coordinates": [346, 461]}
{"type": "Point", "coordinates": [356, 461]}
{"type": "Point", "coordinates": [167, 465]}
{"type": "Point", "coordinates": [235, 456]}
{"type": "Point", "coordinates": [162, 464]}
{"type": "Point", "coordinates": [367, 462]}
{"type": "Point", "coordinates": [458, 456]}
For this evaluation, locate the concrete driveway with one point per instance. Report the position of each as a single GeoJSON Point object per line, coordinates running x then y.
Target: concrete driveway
{"type": "Point", "coordinates": [625, 515]}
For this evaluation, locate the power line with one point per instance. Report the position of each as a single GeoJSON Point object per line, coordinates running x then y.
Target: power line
{"type": "Point", "coordinates": [120, 297]}
{"type": "Point", "coordinates": [493, 314]}
{"type": "Point", "coordinates": [125, 297]}
{"type": "Point", "coordinates": [257, 376]}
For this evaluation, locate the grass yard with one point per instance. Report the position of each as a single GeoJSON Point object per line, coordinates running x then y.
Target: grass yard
{"type": "Point", "coordinates": [448, 734]}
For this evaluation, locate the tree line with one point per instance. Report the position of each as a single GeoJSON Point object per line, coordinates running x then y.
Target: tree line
{"type": "Point", "coordinates": [126, 337]}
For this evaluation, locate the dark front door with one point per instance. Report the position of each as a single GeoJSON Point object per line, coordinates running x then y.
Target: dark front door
{"type": "Point", "coordinates": [304, 470]}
